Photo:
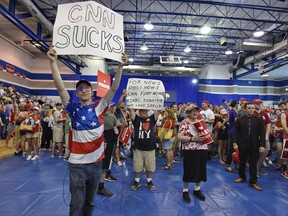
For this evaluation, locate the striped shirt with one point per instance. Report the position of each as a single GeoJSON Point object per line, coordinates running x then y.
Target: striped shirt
{"type": "Point", "coordinates": [87, 144]}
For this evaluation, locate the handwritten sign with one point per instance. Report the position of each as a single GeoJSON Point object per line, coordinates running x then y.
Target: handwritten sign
{"type": "Point", "coordinates": [88, 28]}
{"type": "Point", "coordinates": [145, 94]}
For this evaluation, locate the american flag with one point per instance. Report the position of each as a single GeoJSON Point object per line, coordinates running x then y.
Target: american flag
{"type": "Point", "coordinates": [87, 144]}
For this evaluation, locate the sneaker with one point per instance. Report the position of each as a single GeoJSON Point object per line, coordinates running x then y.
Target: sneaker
{"type": "Point", "coordinates": [229, 169]}
{"type": "Point", "coordinates": [104, 192]}
{"type": "Point", "coordinates": [166, 167]}
{"type": "Point", "coordinates": [262, 172]}
{"type": "Point", "coordinates": [135, 186]}
{"type": "Point", "coordinates": [199, 195]}
{"type": "Point", "coordinates": [176, 161]}
{"type": "Point", "coordinates": [186, 197]}
{"type": "Point", "coordinates": [20, 152]}
{"type": "Point", "coordinates": [119, 163]}
{"type": "Point", "coordinates": [16, 153]}
{"type": "Point", "coordinates": [61, 156]}
{"type": "Point", "coordinates": [110, 178]}
{"type": "Point", "coordinates": [151, 186]}
{"type": "Point", "coordinates": [221, 162]}
{"type": "Point", "coordinates": [29, 157]}
{"type": "Point", "coordinates": [270, 162]}
{"type": "Point", "coordinates": [36, 157]}
{"type": "Point", "coordinates": [285, 174]}
{"type": "Point", "coordinates": [52, 156]}
{"type": "Point", "coordinates": [122, 158]}
{"type": "Point", "coordinates": [264, 164]}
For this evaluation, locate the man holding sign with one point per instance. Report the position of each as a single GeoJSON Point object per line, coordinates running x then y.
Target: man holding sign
{"type": "Point", "coordinates": [144, 94]}
{"type": "Point", "coordinates": [87, 145]}
{"type": "Point", "coordinates": [144, 142]}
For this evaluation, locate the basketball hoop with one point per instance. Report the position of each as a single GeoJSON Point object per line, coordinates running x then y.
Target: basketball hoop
{"type": "Point", "coordinates": [170, 58]}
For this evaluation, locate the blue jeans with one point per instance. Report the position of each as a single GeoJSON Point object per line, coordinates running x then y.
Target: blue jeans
{"type": "Point", "coordinates": [3, 131]}
{"type": "Point", "coordinates": [230, 151]}
{"type": "Point", "coordinates": [84, 181]}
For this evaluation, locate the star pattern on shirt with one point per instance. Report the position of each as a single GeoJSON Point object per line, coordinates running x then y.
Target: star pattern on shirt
{"type": "Point", "coordinates": [84, 118]}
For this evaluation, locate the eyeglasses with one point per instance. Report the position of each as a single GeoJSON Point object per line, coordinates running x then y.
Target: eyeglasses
{"type": "Point", "coordinates": [81, 88]}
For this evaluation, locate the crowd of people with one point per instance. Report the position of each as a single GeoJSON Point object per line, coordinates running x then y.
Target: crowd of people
{"type": "Point", "coordinates": [87, 134]}
{"type": "Point", "coordinates": [51, 128]}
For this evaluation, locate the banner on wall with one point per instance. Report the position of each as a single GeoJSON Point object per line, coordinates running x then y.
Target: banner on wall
{"type": "Point", "coordinates": [88, 28]}
{"type": "Point", "coordinates": [10, 68]}
{"type": "Point", "coordinates": [103, 83]}
{"type": "Point", "coordinates": [145, 94]}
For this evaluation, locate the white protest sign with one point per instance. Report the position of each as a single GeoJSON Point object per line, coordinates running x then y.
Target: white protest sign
{"type": "Point", "coordinates": [88, 28]}
{"type": "Point", "coordinates": [145, 94]}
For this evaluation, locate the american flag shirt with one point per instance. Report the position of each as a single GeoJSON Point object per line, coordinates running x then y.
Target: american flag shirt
{"type": "Point", "coordinates": [87, 145]}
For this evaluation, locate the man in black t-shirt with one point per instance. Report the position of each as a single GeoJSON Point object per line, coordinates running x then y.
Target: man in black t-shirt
{"type": "Point", "coordinates": [144, 142]}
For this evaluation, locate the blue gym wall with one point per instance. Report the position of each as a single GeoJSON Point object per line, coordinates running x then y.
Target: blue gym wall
{"type": "Point", "coordinates": [180, 89]}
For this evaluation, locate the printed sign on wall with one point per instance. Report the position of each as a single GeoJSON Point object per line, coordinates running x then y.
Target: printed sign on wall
{"type": "Point", "coordinates": [145, 94]}
{"type": "Point", "coordinates": [10, 68]}
{"type": "Point", "coordinates": [88, 28]}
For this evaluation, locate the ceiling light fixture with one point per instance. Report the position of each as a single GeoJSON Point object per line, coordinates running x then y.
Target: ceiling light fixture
{"type": "Point", "coordinates": [187, 49]}
{"type": "Point", "coordinates": [205, 29]}
{"type": "Point", "coordinates": [185, 61]}
{"type": "Point", "coordinates": [223, 41]}
{"type": "Point", "coordinates": [131, 59]}
{"type": "Point", "coordinates": [148, 26]}
{"type": "Point", "coordinates": [144, 47]}
{"type": "Point", "coordinates": [265, 75]}
{"type": "Point", "coordinates": [258, 33]}
{"type": "Point", "coordinates": [194, 81]}
{"type": "Point", "coordinates": [228, 52]}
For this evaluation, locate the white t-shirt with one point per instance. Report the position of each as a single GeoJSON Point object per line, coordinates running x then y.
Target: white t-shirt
{"type": "Point", "coordinates": [2, 91]}
{"type": "Point", "coordinates": [58, 114]}
{"type": "Point", "coordinates": [208, 115]}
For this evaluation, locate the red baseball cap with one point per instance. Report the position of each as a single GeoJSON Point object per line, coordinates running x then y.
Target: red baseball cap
{"type": "Point", "coordinates": [257, 101]}
{"type": "Point", "coordinates": [205, 101]}
{"type": "Point", "coordinates": [223, 112]}
{"type": "Point", "coordinates": [191, 106]}
{"type": "Point", "coordinates": [243, 100]}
